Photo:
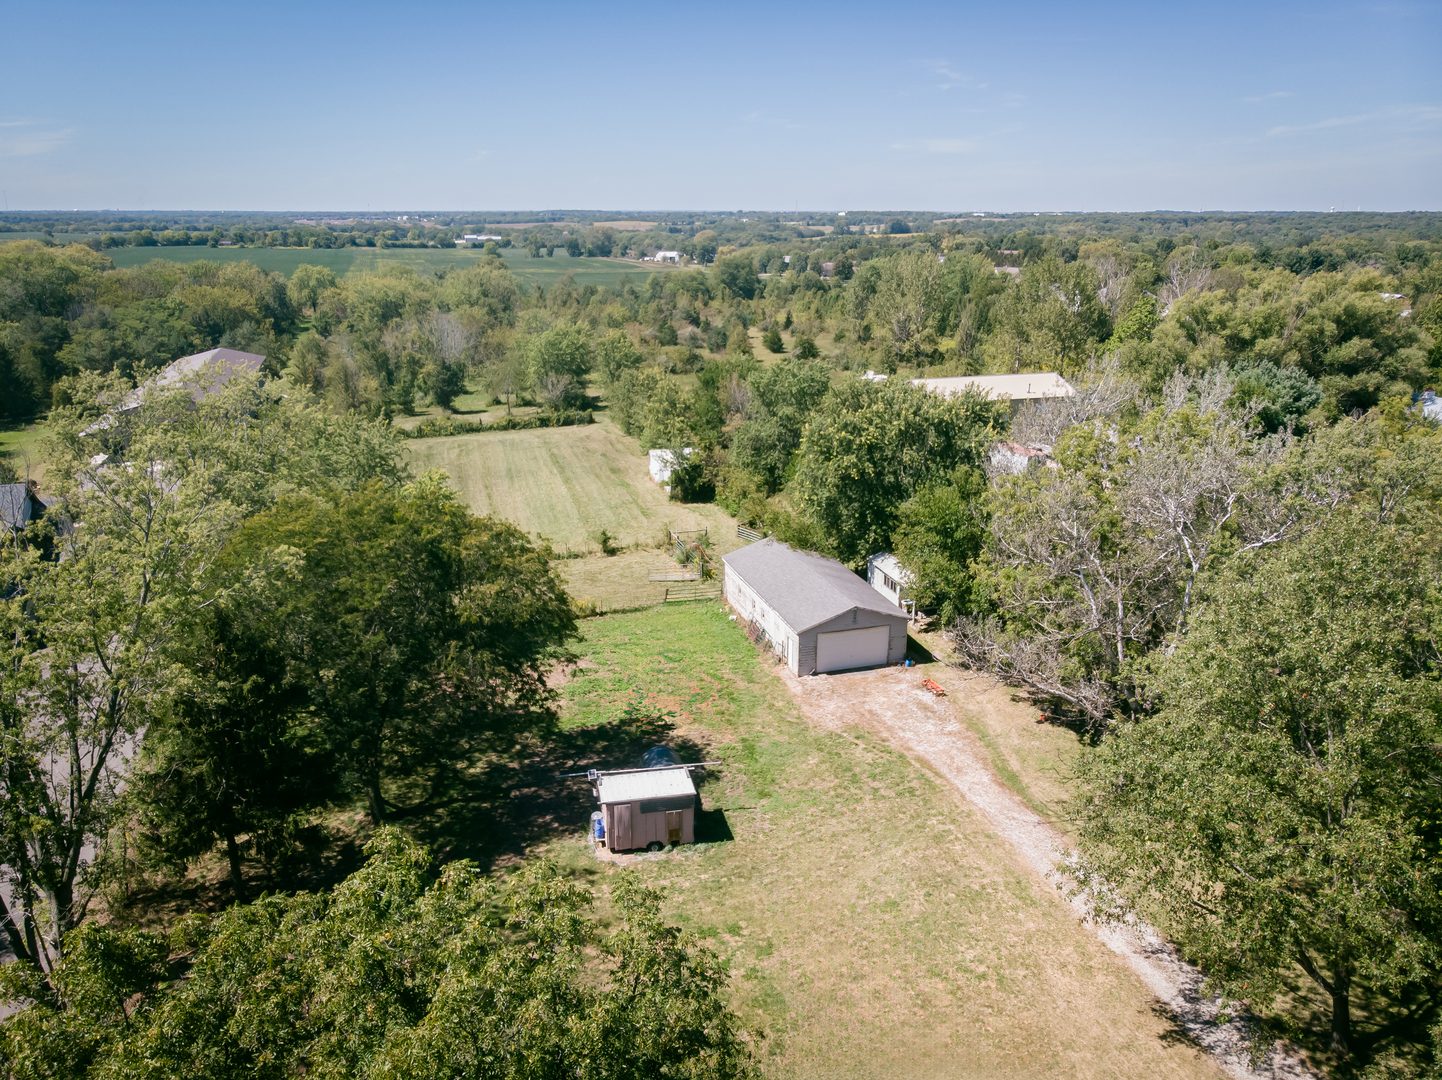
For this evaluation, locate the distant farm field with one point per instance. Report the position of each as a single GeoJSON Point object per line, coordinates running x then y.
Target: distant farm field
{"type": "Point", "coordinates": [565, 484]}
{"type": "Point", "coordinates": [542, 270]}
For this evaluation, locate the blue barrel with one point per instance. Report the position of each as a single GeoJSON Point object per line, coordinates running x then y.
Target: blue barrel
{"type": "Point", "coordinates": [598, 824]}
{"type": "Point", "coordinates": [659, 757]}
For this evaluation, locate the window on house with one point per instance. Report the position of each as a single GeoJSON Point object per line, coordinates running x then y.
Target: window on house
{"type": "Point", "coordinates": [886, 580]}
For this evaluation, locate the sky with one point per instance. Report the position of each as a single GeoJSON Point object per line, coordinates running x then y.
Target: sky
{"type": "Point", "coordinates": [740, 106]}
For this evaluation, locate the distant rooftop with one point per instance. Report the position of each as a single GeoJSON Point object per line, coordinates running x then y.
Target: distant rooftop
{"type": "Point", "coordinates": [1025, 386]}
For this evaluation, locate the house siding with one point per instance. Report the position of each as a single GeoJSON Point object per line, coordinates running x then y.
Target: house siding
{"type": "Point", "coordinates": [749, 606]}
{"type": "Point", "coordinates": [799, 649]}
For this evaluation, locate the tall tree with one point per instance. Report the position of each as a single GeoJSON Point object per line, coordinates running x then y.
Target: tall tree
{"type": "Point", "coordinates": [421, 632]}
{"type": "Point", "coordinates": [871, 446]}
{"type": "Point", "coordinates": [86, 638]}
{"type": "Point", "coordinates": [398, 972]}
{"type": "Point", "coordinates": [1282, 807]}
{"type": "Point", "coordinates": [233, 757]}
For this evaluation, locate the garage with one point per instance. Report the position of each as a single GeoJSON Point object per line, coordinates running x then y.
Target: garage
{"type": "Point", "coordinates": [843, 650]}
{"type": "Point", "coordinates": [814, 612]}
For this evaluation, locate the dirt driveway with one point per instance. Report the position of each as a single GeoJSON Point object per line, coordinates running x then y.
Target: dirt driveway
{"type": "Point", "coordinates": [892, 703]}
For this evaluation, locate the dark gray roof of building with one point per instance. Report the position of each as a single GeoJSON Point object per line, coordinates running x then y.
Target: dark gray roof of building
{"type": "Point", "coordinates": [804, 588]}
{"type": "Point", "coordinates": [18, 508]}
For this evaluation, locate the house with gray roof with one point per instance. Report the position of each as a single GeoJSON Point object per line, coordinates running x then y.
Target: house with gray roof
{"type": "Point", "coordinates": [20, 505]}
{"type": "Point", "coordinates": [812, 610]}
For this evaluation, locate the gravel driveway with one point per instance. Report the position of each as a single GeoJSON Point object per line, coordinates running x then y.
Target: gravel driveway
{"type": "Point", "coordinates": [892, 703]}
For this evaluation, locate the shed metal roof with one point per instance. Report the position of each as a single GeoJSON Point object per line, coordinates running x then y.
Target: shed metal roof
{"type": "Point", "coordinates": [804, 588]}
{"type": "Point", "coordinates": [1020, 387]}
{"type": "Point", "coordinates": [645, 784]}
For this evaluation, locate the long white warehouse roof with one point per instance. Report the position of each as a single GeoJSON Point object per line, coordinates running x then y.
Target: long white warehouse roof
{"type": "Point", "coordinates": [1022, 387]}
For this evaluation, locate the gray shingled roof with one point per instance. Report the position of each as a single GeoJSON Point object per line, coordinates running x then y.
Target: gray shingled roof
{"type": "Point", "coordinates": [16, 508]}
{"type": "Point", "coordinates": [804, 588]}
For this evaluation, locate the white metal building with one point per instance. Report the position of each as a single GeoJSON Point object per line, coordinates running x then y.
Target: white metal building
{"type": "Point", "coordinates": [890, 579]}
{"type": "Point", "coordinates": [664, 462]}
{"type": "Point", "coordinates": [1026, 386]}
{"type": "Point", "coordinates": [813, 610]}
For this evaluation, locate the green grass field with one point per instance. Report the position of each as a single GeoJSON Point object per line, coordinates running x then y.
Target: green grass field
{"type": "Point", "coordinates": [565, 484]}
{"type": "Point", "coordinates": [872, 924]}
{"type": "Point", "coordinates": [20, 449]}
{"type": "Point", "coordinates": [599, 272]}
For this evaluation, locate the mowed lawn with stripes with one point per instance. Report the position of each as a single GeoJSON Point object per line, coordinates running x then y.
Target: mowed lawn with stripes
{"type": "Point", "coordinates": [567, 484]}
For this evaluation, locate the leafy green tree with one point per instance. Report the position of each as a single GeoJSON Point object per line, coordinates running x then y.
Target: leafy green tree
{"type": "Point", "coordinates": [562, 350]}
{"type": "Point", "coordinates": [631, 394]}
{"type": "Point", "coordinates": [133, 340]}
{"type": "Point", "coordinates": [871, 446]}
{"type": "Point", "coordinates": [396, 973]}
{"type": "Point", "coordinates": [443, 380]}
{"type": "Point", "coordinates": [508, 376]}
{"type": "Point", "coordinates": [307, 283]}
{"type": "Point", "coordinates": [783, 397]}
{"type": "Point", "coordinates": [1278, 811]}
{"type": "Point", "coordinates": [90, 658]}
{"type": "Point", "coordinates": [1053, 318]}
{"type": "Point", "coordinates": [420, 632]}
{"type": "Point", "coordinates": [667, 420]}
{"type": "Point", "coordinates": [309, 358]}
{"type": "Point", "coordinates": [908, 303]}
{"type": "Point", "coordinates": [804, 347]}
{"type": "Point", "coordinates": [940, 533]}
{"type": "Point", "coordinates": [738, 274]}
{"type": "Point", "coordinates": [772, 340]}
{"type": "Point", "coordinates": [489, 291]}
{"type": "Point", "coordinates": [1286, 395]}
{"type": "Point", "coordinates": [86, 650]}
{"type": "Point", "coordinates": [616, 353]}
{"type": "Point", "coordinates": [234, 758]}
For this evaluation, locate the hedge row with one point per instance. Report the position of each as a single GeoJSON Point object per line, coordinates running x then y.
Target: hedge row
{"type": "Point", "coordinates": [438, 426]}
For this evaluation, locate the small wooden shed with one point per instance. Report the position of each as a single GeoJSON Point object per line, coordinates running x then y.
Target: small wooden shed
{"type": "Point", "coordinates": [647, 808]}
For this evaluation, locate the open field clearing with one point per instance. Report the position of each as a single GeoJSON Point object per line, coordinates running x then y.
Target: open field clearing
{"type": "Point", "coordinates": [20, 448]}
{"type": "Point", "coordinates": [942, 734]}
{"type": "Point", "coordinates": [566, 484]}
{"type": "Point", "coordinates": [876, 925]}
{"type": "Point", "coordinates": [546, 271]}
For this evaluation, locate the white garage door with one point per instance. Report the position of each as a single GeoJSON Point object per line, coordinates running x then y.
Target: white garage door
{"type": "Point", "coordinates": [852, 648]}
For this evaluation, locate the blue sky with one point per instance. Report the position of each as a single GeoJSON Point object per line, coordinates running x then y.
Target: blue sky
{"type": "Point", "coordinates": [1106, 106]}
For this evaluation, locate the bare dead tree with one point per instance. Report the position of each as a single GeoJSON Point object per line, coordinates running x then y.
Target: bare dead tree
{"type": "Point", "coordinates": [451, 338]}
{"type": "Point", "coordinates": [738, 396]}
{"type": "Point", "coordinates": [1113, 277]}
{"type": "Point", "coordinates": [1093, 568]}
{"type": "Point", "coordinates": [1102, 392]}
{"type": "Point", "coordinates": [554, 389]}
{"type": "Point", "coordinates": [1187, 270]}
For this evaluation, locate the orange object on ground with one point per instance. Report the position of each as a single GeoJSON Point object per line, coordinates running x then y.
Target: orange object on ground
{"type": "Point", "coordinates": [933, 687]}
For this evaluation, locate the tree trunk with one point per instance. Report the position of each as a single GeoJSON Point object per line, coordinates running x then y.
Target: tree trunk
{"type": "Point", "coordinates": [1341, 1012]}
{"type": "Point", "coordinates": [375, 802]}
{"type": "Point", "coordinates": [237, 877]}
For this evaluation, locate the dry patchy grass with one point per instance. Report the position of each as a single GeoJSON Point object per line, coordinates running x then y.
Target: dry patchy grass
{"type": "Point", "coordinates": [873, 924]}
